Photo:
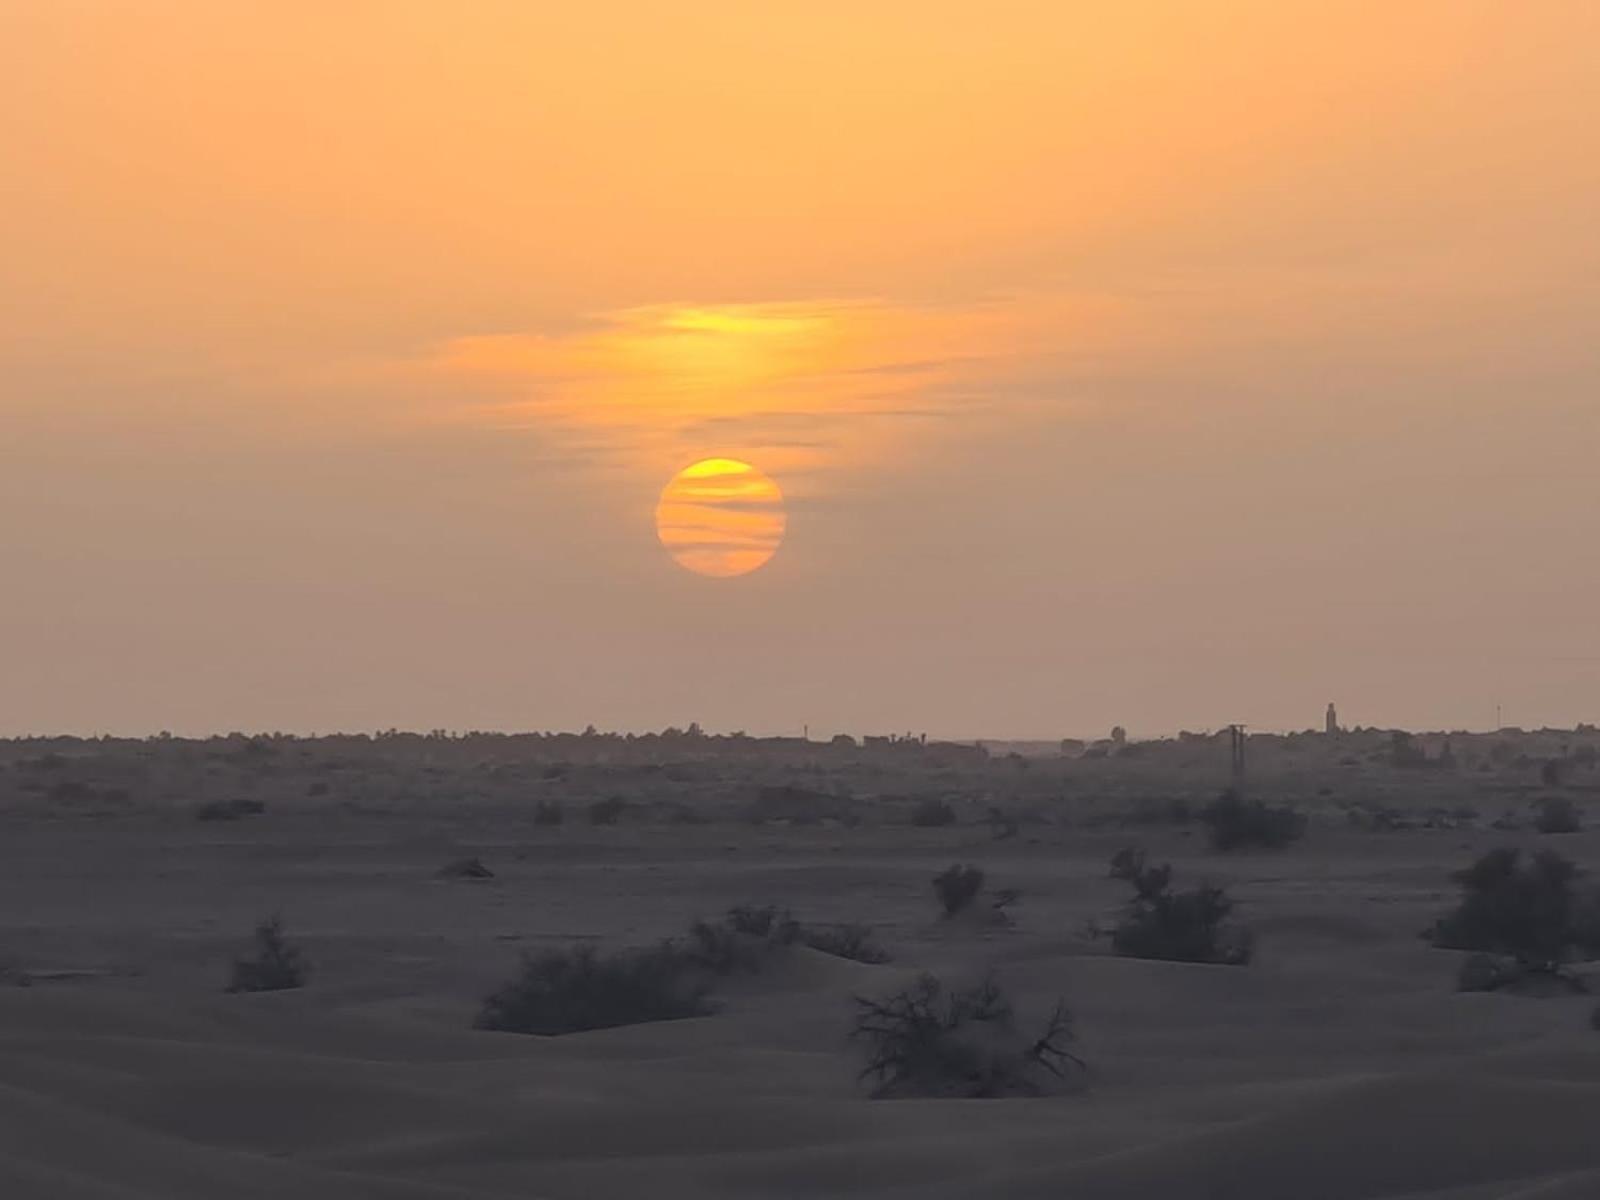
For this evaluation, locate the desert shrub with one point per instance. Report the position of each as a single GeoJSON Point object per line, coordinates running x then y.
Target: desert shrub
{"type": "Point", "coordinates": [577, 989]}
{"type": "Point", "coordinates": [1557, 814]}
{"type": "Point", "coordinates": [278, 965]}
{"type": "Point", "coordinates": [1526, 911]}
{"type": "Point", "coordinates": [549, 812]}
{"type": "Point", "coordinates": [228, 810]}
{"type": "Point", "coordinates": [931, 813]}
{"type": "Point", "coordinates": [608, 811]}
{"type": "Point", "coordinates": [957, 887]}
{"type": "Point", "coordinates": [743, 940]}
{"type": "Point", "coordinates": [926, 1041]}
{"type": "Point", "coordinates": [1236, 823]}
{"type": "Point", "coordinates": [1159, 923]}
{"type": "Point", "coordinates": [855, 942]}
{"type": "Point", "coordinates": [464, 868]}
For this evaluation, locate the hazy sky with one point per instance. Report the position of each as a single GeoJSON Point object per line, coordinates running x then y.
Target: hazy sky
{"type": "Point", "coordinates": [1166, 363]}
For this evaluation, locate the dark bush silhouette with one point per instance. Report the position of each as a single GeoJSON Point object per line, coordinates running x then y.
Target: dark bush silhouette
{"type": "Point", "coordinates": [931, 813]}
{"type": "Point", "coordinates": [608, 811]}
{"type": "Point", "coordinates": [574, 990]}
{"type": "Point", "coordinates": [549, 812]}
{"type": "Point", "coordinates": [856, 942]}
{"type": "Point", "coordinates": [1526, 911]}
{"type": "Point", "coordinates": [277, 966]}
{"type": "Point", "coordinates": [957, 887]}
{"type": "Point", "coordinates": [925, 1041]}
{"type": "Point", "coordinates": [1173, 926]}
{"type": "Point", "coordinates": [1557, 814]}
{"type": "Point", "coordinates": [743, 940]}
{"type": "Point", "coordinates": [1236, 823]}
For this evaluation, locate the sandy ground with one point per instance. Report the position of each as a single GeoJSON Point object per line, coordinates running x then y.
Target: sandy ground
{"type": "Point", "coordinates": [1341, 1065]}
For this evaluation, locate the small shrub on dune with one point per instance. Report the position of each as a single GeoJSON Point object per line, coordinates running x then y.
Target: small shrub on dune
{"type": "Point", "coordinates": [929, 1042]}
{"type": "Point", "coordinates": [607, 812]}
{"type": "Point", "coordinates": [743, 940]}
{"type": "Point", "coordinates": [549, 812]}
{"type": "Point", "coordinates": [1159, 923]}
{"type": "Point", "coordinates": [1237, 823]}
{"type": "Point", "coordinates": [957, 887]}
{"type": "Point", "coordinates": [855, 942]}
{"type": "Point", "coordinates": [277, 966]}
{"type": "Point", "coordinates": [1527, 912]}
{"type": "Point", "coordinates": [1557, 814]}
{"type": "Point", "coordinates": [576, 990]}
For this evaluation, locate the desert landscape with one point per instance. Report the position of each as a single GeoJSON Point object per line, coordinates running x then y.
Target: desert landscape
{"type": "Point", "coordinates": [1328, 1053]}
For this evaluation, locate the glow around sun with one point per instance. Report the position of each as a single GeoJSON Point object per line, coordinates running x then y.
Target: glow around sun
{"type": "Point", "coordinates": [721, 517]}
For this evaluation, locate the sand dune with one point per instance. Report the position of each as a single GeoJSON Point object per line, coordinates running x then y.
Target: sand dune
{"type": "Point", "coordinates": [1341, 1065]}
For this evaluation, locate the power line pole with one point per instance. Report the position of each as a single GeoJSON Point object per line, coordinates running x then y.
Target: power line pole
{"type": "Point", "coordinates": [1236, 753]}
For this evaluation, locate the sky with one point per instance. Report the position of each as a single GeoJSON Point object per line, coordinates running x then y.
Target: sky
{"type": "Point", "coordinates": [1163, 363]}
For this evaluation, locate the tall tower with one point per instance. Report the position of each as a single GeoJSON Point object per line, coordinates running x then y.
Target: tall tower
{"type": "Point", "coordinates": [1332, 724]}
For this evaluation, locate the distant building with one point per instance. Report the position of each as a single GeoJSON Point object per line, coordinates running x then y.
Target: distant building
{"type": "Point", "coordinates": [1332, 724]}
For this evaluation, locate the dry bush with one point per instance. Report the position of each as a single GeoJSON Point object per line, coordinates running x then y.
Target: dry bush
{"type": "Point", "coordinates": [1159, 923]}
{"type": "Point", "coordinates": [1237, 823]}
{"type": "Point", "coordinates": [575, 990]}
{"type": "Point", "coordinates": [278, 965]}
{"type": "Point", "coordinates": [743, 940]}
{"type": "Point", "coordinates": [855, 942]}
{"type": "Point", "coordinates": [1557, 814]}
{"type": "Point", "coordinates": [1526, 911]}
{"type": "Point", "coordinates": [957, 886]}
{"type": "Point", "coordinates": [925, 1041]}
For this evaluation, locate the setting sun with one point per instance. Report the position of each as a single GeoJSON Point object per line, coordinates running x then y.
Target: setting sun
{"type": "Point", "coordinates": [721, 517]}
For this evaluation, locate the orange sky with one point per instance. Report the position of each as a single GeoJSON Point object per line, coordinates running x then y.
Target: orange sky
{"type": "Point", "coordinates": [1165, 363]}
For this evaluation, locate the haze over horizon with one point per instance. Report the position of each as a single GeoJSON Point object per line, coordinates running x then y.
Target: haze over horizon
{"type": "Point", "coordinates": [1112, 364]}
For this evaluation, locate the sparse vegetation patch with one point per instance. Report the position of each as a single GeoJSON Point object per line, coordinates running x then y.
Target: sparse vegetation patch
{"type": "Point", "coordinates": [277, 965]}
{"type": "Point", "coordinates": [579, 989]}
{"type": "Point", "coordinates": [1160, 923]}
{"type": "Point", "coordinates": [1236, 823]}
{"type": "Point", "coordinates": [963, 1043]}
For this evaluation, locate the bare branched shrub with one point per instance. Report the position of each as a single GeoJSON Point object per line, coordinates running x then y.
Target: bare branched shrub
{"type": "Point", "coordinates": [1237, 823]}
{"type": "Point", "coordinates": [957, 886]}
{"type": "Point", "coordinates": [925, 1041]}
{"type": "Point", "coordinates": [574, 990]}
{"type": "Point", "coordinates": [1159, 923]}
{"type": "Point", "coordinates": [1526, 911]}
{"type": "Point", "coordinates": [278, 965]}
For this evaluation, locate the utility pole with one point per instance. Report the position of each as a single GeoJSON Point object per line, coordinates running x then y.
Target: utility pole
{"type": "Point", "coordinates": [1236, 753]}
